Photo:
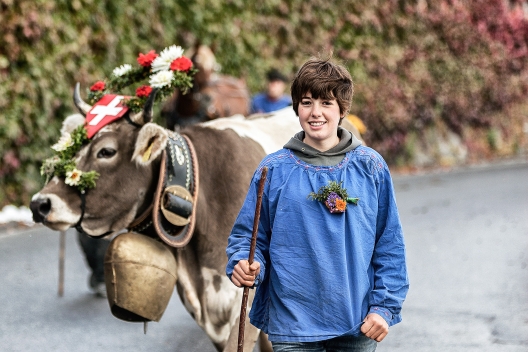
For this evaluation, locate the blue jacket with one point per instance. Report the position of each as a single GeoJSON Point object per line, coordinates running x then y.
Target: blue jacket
{"type": "Point", "coordinates": [322, 273]}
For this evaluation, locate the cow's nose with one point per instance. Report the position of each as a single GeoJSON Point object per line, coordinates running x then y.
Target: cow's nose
{"type": "Point", "coordinates": [40, 208]}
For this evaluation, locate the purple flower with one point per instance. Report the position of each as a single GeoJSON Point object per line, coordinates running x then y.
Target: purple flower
{"type": "Point", "coordinates": [331, 202]}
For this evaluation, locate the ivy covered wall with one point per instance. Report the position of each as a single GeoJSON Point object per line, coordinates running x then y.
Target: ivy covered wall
{"type": "Point", "coordinates": [425, 71]}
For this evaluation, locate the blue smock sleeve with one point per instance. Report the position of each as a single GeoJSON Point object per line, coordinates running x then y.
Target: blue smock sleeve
{"type": "Point", "coordinates": [239, 241]}
{"type": "Point", "coordinates": [391, 281]}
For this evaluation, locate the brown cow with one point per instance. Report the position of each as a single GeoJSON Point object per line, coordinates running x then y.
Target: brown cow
{"type": "Point", "coordinates": [228, 151]}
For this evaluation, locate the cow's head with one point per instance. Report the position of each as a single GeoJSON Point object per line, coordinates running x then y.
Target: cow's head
{"type": "Point", "coordinates": [125, 153]}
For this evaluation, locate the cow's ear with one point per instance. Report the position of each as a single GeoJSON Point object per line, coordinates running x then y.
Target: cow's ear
{"type": "Point", "coordinates": [151, 141]}
{"type": "Point", "coordinates": [72, 122]}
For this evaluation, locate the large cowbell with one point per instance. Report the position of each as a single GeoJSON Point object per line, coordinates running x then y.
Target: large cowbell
{"type": "Point", "coordinates": [140, 275]}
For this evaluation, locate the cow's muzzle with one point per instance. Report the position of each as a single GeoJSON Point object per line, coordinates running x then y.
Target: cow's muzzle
{"type": "Point", "coordinates": [40, 208]}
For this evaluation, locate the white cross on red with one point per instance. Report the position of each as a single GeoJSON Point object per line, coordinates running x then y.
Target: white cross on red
{"type": "Point", "coordinates": [105, 111]}
{"type": "Point", "coordinates": [100, 111]}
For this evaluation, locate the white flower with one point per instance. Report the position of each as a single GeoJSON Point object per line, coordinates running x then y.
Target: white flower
{"type": "Point", "coordinates": [166, 57]}
{"type": "Point", "coordinates": [48, 166]}
{"type": "Point", "coordinates": [121, 70]}
{"type": "Point", "coordinates": [64, 142]}
{"type": "Point", "coordinates": [161, 79]}
{"type": "Point", "coordinates": [73, 177]}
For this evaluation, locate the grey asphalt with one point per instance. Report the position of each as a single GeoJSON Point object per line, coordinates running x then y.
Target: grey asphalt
{"type": "Point", "coordinates": [467, 244]}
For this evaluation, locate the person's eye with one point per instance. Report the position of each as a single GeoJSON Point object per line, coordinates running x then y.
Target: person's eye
{"type": "Point", "coordinates": [305, 102]}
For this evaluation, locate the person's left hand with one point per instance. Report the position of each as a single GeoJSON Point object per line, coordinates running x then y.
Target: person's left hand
{"type": "Point", "coordinates": [375, 327]}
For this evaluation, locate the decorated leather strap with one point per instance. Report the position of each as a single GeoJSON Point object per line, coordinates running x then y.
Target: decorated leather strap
{"type": "Point", "coordinates": [176, 182]}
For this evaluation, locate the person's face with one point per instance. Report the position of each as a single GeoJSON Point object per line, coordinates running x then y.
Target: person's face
{"type": "Point", "coordinates": [276, 89]}
{"type": "Point", "coordinates": [319, 118]}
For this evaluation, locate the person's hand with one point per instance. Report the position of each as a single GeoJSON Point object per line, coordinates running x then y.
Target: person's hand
{"type": "Point", "coordinates": [375, 327]}
{"type": "Point", "coordinates": [244, 274]}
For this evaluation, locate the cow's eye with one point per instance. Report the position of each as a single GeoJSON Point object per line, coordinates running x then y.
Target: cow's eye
{"type": "Point", "coordinates": [106, 153]}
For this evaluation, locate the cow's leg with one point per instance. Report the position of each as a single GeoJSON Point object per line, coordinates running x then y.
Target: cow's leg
{"type": "Point", "coordinates": [264, 343]}
{"type": "Point", "coordinates": [94, 250]}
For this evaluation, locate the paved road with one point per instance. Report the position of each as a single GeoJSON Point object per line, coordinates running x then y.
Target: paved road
{"type": "Point", "coordinates": [467, 245]}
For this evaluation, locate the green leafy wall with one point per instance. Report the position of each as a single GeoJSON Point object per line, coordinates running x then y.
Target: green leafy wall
{"type": "Point", "coordinates": [421, 68]}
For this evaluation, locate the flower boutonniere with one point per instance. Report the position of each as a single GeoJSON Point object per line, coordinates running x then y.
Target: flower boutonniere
{"type": "Point", "coordinates": [334, 197]}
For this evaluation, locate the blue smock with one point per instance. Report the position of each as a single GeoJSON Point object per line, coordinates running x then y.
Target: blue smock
{"type": "Point", "coordinates": [322, 273]}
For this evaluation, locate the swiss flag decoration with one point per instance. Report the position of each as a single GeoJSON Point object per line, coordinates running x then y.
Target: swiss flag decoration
{"type": "Point", "coordinates": [108, 109]}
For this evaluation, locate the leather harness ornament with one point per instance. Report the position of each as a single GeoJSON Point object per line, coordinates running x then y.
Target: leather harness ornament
{"type": "Point", "coordinates": [177, 192]}
{"type": "Point", "coordinates": [172, 213]}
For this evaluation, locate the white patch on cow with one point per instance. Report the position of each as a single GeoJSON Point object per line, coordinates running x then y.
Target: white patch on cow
{"type": "Point", "coordinates": [61, 216]}
{"type": "Point", "coordinates": [72, 122]}
{"type": "Point", "coordinates": [220, 298]}
{"type": "Point", "coordinates": [190, 296]}
{"type": "Point", "coordinates": [272, 131]}
{"type": "Point", "coordinates": [217, 316]}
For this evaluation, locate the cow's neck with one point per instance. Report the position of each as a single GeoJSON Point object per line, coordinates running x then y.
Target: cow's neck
{"type": "Point", "coordinates": [143, 220]}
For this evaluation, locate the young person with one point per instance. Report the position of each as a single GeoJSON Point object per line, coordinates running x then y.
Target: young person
{"type": "Point", "coordinates": [329, 269]}
{"type": "Point", "coordinates": [273, 98]}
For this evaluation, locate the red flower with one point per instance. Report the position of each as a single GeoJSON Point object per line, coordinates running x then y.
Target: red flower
{"type": "Point", "coordinates": [143, 91]}
{"type": "Point", "coordinates": [181, 64]}
{"type": "Point", "coordinates": [145, 60]}
{"type": "Point", "coordinates": [99, 85]}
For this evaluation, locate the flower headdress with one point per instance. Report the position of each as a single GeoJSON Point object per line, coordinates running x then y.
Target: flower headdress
{"type": "Point", "coordinates": [334, 197]}
{"type": "Point", "coordinates": [63, 164]}
{"type": "Point", "coordinates": [166, 71]}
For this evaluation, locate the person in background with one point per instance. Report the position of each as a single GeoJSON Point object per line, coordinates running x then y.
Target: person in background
{"type": "Point", "coordinates": [330, 269]}
{"type": "Point", "coordinates": [274, 98]}
{"type": "Point", "coordinates": [94, 250]}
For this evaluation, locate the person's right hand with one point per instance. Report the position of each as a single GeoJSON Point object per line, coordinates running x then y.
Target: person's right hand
{"type": "Point", "coordinates": [244, 274]}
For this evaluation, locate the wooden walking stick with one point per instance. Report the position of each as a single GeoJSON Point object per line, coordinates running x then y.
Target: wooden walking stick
{"type": "Point", "coordinates": [242, 322]}
{"type": "Point", "coordinates": [62, 249]}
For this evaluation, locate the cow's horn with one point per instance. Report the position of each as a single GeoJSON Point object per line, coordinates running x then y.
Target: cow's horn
{"type": "Point", "coordinates": [79, 103]}
{"type": "Point", "coordinates": [145, 116]}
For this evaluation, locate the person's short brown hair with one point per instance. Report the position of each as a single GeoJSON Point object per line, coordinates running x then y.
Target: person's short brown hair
{"type": "Point", "coordinates": [323, 79]}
